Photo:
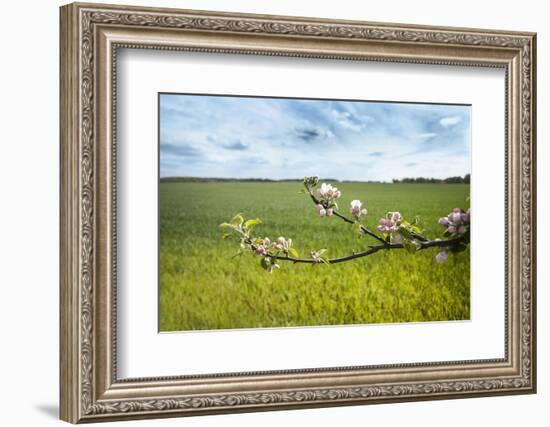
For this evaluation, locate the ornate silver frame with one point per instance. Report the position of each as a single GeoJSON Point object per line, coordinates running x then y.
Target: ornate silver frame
{"type": "Point", "coordinates": [90, 36]}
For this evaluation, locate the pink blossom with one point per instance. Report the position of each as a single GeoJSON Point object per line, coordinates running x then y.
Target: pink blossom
{"type": "Point", "coordinates": [386, 225]}
{"type": "Point", "coordinates": [260, 250]}
{"type": "Point", "coordinates": [321, 211]}
{"type": "Point", "coordinates": [443, 221]}
{"type": "Point", "coordinates": [457, 221]}
{"type": "Point", "coordinates": [315, 255]}
{"type": "Point", "coordinates": [356, 209]}
{"type": "Point", "coordinates": [282, 244]}
{"type": "Point", "coordinates": [328, 194]}
{"type": "Point", "coordinates": [395, 216]}
{"type": "Point", "coordinates": [442, 256]}
{"type": "Point", "coordinates": [455, 217]}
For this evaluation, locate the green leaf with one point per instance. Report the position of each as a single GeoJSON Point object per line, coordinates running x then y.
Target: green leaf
{"type": "Point", "coordinates": [251, 223]}
{"type": "Point", "coordinates": [237, 220]}
{"type": "Point", "coordinates": [226, 235]}
{"type": "Point", "coordinates": [410, 245]}
{"type": "Point", "coordinates": [226, 225]}
{"type": "Point", "coordinates": [324, 260]}
{"type": "Point", "coordinates": [404, 232]}
{"type": "Point", "coordinates": [265, 263]}
{"type": "Point", "coordinates": [293, 252]}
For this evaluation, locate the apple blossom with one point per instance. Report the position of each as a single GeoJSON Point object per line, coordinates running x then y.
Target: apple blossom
{"type": "Point", "coordinates": [321, 211]}
{"type": "Point", "coordinates": [328, 194]}
{"type": "Point", "coordinates": [316, 256]}
{"type": "Point", "coordinates": [387, 226]}
{"type": "Point", "coordinates": [355, 209]}
{"type": "Point", "coordinates": [260, 250]}
{"type": "Point", "coordinates": [390, 223]}
{"type": "Point", "coordinates": [395, 216]}
{"type": "Point", "coordinates": [311, 181]}
{"type": "Point", "coordinates": [442, 256]}
{"type": "Point", "coordinates": [457, 222]}
{"type": "Point", "coordinates": [443, 221]}
{"type": "Point", "coordinates": [282, 244]}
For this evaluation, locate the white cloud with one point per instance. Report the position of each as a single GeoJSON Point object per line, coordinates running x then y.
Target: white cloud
{"type": "Point", "coordinates": [427, 135]}
{"type": "Point", "coordinates": [271, 138]}
{"type": "Point", "coordinates": [449, 121]}
{"type": "Point", "coordinates": [347, 121]}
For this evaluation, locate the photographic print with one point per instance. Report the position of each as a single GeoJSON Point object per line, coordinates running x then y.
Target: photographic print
{"type": "Point", "coordinates": [282, 212]}
{"type": "Point", "coordinates": [259, 183]}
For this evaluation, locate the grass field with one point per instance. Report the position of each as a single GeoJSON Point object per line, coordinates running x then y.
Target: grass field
{"type": "Point", "coordinates": [203, 287]}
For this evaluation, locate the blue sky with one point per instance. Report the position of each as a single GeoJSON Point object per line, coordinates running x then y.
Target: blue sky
{"type": "Point", "coordinates": [238, 137]}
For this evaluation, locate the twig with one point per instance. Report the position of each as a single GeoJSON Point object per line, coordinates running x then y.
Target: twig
{"type": "Point", "coordinates": [364, 229]}
{"type": "Point", "coordinates": [372, 249]}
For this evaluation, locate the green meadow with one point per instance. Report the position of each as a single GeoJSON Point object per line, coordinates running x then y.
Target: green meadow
{"type": "Point", "coordinates": [203, 285]}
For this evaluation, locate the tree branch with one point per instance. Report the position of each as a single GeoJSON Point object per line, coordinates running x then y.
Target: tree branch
{"type": "Point", "coordinates": [372, 250]}
{"type": "Point", "coordinates": [283, 247]}
{"type": "Point", "coordinates": [364, 229]}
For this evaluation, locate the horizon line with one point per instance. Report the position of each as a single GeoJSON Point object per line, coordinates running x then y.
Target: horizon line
{"type": "Point", "coordinates": [214, 178]}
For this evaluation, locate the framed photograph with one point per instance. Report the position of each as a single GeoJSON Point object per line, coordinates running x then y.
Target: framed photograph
{"type": "Point", "coordinates": [266, 212]}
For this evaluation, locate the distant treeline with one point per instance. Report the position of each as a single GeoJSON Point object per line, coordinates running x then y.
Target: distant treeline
{"type": "Point", "coordinates": [199, 179]}
{"type": "Point", "coordinates": [451, 180]}
{"type": "Point", "coordinates": [421, 180]}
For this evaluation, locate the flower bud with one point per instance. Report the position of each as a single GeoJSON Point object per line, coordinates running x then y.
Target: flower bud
{"type": "Point", "coordinates": [260, 250]}
{"type": "Point", "coordinates": [395, 216]}
{"type": "Point", "coordinates": [456, 217]}
{"type": "Point", "coordinates": [322, 212]}
{"type": "Point", "coordinates": [355, 207]}
{"type": "Point", "coordinates": [442, 256]}
{"type": "Point", "coordinates": [461, 229]}
{"type": "Point", "coordinates": [444, 221]}
{"type": "Point", "coordinates": [329, 212]}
